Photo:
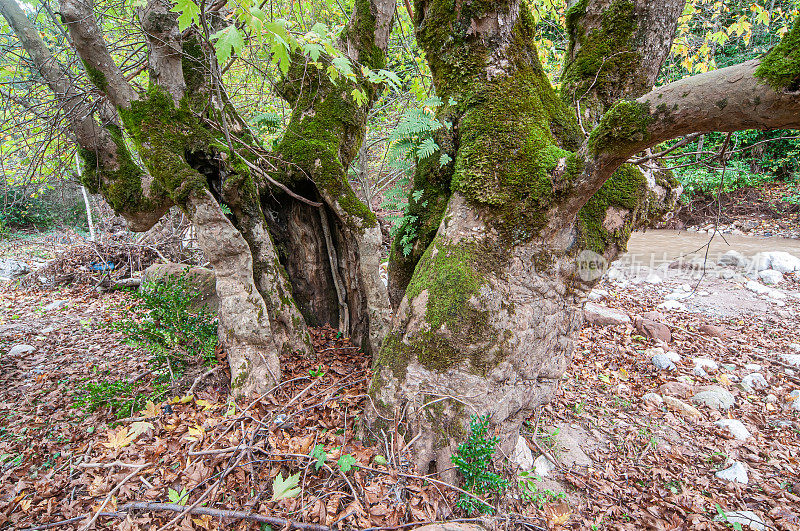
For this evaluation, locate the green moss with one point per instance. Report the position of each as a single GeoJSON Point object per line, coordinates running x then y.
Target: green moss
{"type": "Point", "coordinates": [326, 127]}
{"type": "Point", "coordinates": [604, 56]}
{"type": "Point", "coordinates": [721, 104]}
{"type": "Point", "coordinates": [164, 135]}
{"type": "Point", "coordinates": [780, 68]}
{"type": "Point", "coordinates": [97, 78]}
{"type": "Point", "coordinates": [623, 124]}
{"type": "Point", "coordinates": [627, 189]}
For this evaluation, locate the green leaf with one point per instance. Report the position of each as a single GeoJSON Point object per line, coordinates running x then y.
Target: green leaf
{"type": "Point", "coordinates": [189, 12]}
{"type": "Point", "coordinates": [176, 497]}
{"type": "Point", "coordinates": [346, 462]}
{"type": "Point", "coordinates": [320, 455]}
{"type": "Point", "coordinates": [444, 159]}
{"type": "Point", "coordinates": [228, 40]}
{"type": "Point", "coordinates": [285, 488]}
{"type": "Point", "coordinates": [359, 96]}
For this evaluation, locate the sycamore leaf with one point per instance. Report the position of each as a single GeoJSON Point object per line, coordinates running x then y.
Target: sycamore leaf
{"type": "Point", "coordinates": [150, 410]}
{"type": "Point", "coordinates": [346, 462]}
{"type": "Point", "coordinates": [195, 434]}
{"type": "Point", "coordinates": [138, 428]}
{"type": "Point", "coordinates": [119, 439]}
{"type": "Point", "coordinates": [285, 488]}
{"type": "Point", "coordinates": [189, 12]}
{"type": "Point", "coordinates": [178, 497]}
{"type": "Point", "coordinates": [228, 40]}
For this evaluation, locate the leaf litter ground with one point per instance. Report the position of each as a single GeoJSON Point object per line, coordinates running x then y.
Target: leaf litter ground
{"type": "Point", "coordinates": [649, 467]}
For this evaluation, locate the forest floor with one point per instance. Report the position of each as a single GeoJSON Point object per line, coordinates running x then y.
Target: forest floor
{"type": "Point", "coordinates": [625, 445]}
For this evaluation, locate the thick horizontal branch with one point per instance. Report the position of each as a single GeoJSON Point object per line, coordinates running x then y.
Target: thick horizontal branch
{"type": "Point", "coordinates": [725, 100]}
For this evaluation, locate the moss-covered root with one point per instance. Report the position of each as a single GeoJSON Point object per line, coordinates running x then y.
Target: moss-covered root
{"type": "Point", "coordinates": [781, 66]}
{"type": "Point", "coordinates": [244, 325]}
{"type": "Point", "coordinates": [483, 324]}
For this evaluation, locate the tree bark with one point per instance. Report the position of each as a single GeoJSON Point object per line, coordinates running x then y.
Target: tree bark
{"type": "Point", "coordinates": [535, 200]}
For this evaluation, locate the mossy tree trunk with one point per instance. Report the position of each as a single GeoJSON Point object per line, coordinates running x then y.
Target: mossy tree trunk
{"type": "Point", "coordinates": [188, 142]}
{"type": "Point", "coordinates": [532, 202]}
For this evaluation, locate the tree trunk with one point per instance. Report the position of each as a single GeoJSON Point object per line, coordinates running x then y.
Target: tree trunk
{"type": "Point", "coordinates": [490, 312]}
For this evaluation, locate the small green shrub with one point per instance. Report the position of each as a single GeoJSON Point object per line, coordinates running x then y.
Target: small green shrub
{"type": "Point", "coordinates": [173, 331]}
{"type": "Point", "coordinates": [473, 459]}
{"type": "Point", "coordinates": [701, 181]}
{"type": "Point", "coordinates": [530, 492]}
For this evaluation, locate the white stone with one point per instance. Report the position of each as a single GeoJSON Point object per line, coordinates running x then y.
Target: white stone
{"type": "Point", "coordinates": [700, 372]}
{"type": "Point", "coordinates": [615, 274]}
{"type": "Point", "coordinates": [755, 367]}
{"type": "Point", "coordinates": [771, 399]}
{"type": "Point", "coordinates": [784, 262]}
{"type": "Point", "coordinates": [654, 278]}
{"type": "Point", "coordinates": [775, 294]}
{"type": "Point", "coordinates": [706, 363]}
{"type": "Point", "coordinates": [597, 294]}
{"type": "Point", "coordinates": [672, 305]}
{"type": "Point", "coordinates": [662, 362]}
{"type": "Point", "coordinates": [736, 472]}
{"type": "Point", "coordinates": [733, 258]}
{"type": "Point", "coordinates": [543, 466]}
{"type": "Point", "coordinates": [726, 274]}
{"type": "Point", "coordinates": [757, 287]}
{"type": "Point", "coordinates": [791, 359]}
{"type": "Point", "coordinates": [770, 277]}
{"type": "Point", "coordinates": [715, 398]}
{"type": "Point", "coordinates": [674, 356]}
{"type": "Point", "coordinates": [55, 305]}
{"type": "Point", "coordinates": [522, 455]}
{"type": "Point", "coordinates": [748, 518]}
{"type": "Point", "coordinates": [677, 296]}
{"type": "Point", "coordinates": [653, 398]}
{"type": "Point", "coordinates": [754, 381]}
{"type": "Point", "coordinates": [602, 315]}
{"type": "Point", "coordinates": [761, 261]}
{"type": "Point", "coordinates": [16, 350]}
{"type": "Point", "coordinates": [734, 427]}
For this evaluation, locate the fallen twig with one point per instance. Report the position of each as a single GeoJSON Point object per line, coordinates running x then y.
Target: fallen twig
{"type": "Point", "coordinates": [223, 513]}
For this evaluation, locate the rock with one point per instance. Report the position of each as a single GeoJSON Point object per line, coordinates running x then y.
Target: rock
{"type": "Point", "coordinates": [791, 359]}
{"type": "Point", "coordinates": [706, 363]}
{"type": "Point", "coordinates": [653, 399]}
{"type": "Point", "coordinates": [654, 278]}
{"type": "Point", "coordinates": [55, 305]}
{"type": "Point", "coordinates": [734, 473]}
{"type": "Point", "coordinates": [755, 367]}
{"type": "Point", "coordinates": [770, 399]}
{"type": "Point", "coordinates": [714, 397]}
{"type": "Point", "coordinates": [733, 258]}
{"type": "Point", "coordinates": [658, 316]}
{"type": "Point", "coordinates": [761, 261]}
{"type": "Point", "coordinates": [543, 466]}
{"type": "Point", "coordinates": [700, 372]}
{"type": "Point", "coordinates": [11, 269]}
{"type": "Point", "coordinates": [522, 455]}
{"type": "Point", "coordinates": [756, 287]}
{"type": "Point", "coordinates": [663, 363]}
{"type": "Point", "coordinates": [794, 394]}
{"type": "Point", "coordinates": [795, 406]}
{"type": "Point", "coordinates": [201, 279]}
{"type": "Point", "coordinates": [672, 305]}
{"type": "Point", "coordinates": [675, 389]}
{"type": "Point", "coordinates": [770, 277]}
{"type": "Point", "coordinates": [16, 350]}
{"type": "Point", "coordinates": [674, 356]}
{"type": "Point", "coordinates": [714, 331]}
{"type": "Point", "coordinates": [653, 329]}
{"type": "Point", "coordinates": [784, 262]}
{"type": "Point", "coordinates": [598, 315]}
{"type": "Point", "coordinates": [748, 518]}
{"type": "Point", "coordinates": [597, 294]}
{"type": "Point", "coordinates": [681, 407]}
{"type": "Point", "coordinates": [775, 294]}
{"type": "Point", "coordinates": [734, 427]}
{"type": "Point", "coordinates": [753, 381]}
{"type": "Point", "coordinates": [677, 296]}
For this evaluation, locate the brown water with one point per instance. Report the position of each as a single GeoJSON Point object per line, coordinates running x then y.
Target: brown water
{"type": "Point", "coordinates": [659, 246]}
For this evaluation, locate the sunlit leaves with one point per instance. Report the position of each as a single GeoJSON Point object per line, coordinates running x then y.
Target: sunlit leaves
{"type": "Point", "coordinates": [285, 488]}
{"type": "Point", "coordinates": [189, 13]}
{"type": "Point", "coordinates": [226, 42]}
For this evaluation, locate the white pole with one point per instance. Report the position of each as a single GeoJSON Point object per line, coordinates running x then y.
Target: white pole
{"type": "Point", "coordinates": [85, 200]}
